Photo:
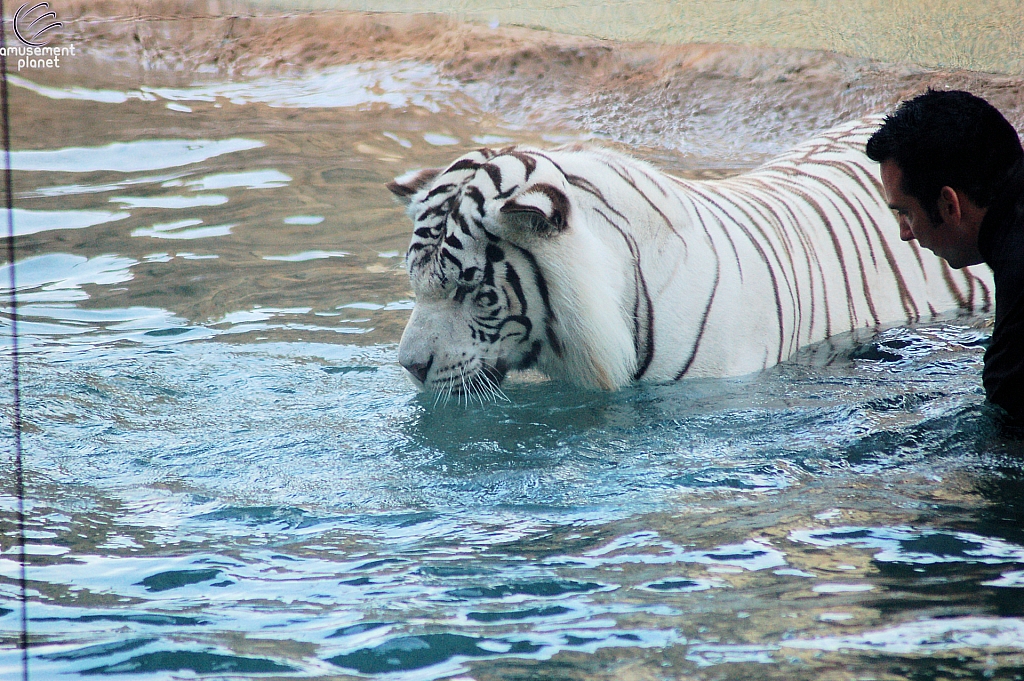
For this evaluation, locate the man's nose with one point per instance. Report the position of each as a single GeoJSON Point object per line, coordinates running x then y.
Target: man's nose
{"type": "Point", "coordinates": [905, 232]}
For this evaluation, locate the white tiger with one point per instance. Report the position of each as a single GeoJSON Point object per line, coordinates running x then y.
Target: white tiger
{"type": "Point", "coordinates": [599, 269]}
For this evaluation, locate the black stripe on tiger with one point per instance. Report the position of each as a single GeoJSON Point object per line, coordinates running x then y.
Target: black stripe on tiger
{"type": "Point", "coordinates": [759, 204]}
{"type": "Point", "coordinates": [768, 267]}
{"type": "Point", "coordinates": [834, 192]}
{"type": "Point", "coordinates": [695, 346]}
{"type": "Point", "coordinates": [628, 179]}
{"type": "Point", "coordinates": [809, 199]}
{"type": "Point", "coordinates": [811, 260]}
{"type": "Point", "coordinates": [556, 217]}
{"type": "Point", "coordinates": [584, 184]}
{"type": "Point", "coordinates": [542, 288]}
{"type": "Point", "coordinates": [693, 193]}
{"type": "Point", "coordinates": [906, 299]}
{"type": "Point", "coordinates": [643, 307]}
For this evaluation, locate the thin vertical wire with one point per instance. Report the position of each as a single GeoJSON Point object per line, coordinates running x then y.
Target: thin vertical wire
{"type": "Point", "coordinates": [5, 114]}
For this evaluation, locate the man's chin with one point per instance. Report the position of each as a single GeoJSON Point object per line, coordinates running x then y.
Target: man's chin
{"type": "Point", "coordinates": [959, 261]}
{"type": "Point", "coordinates": [956, 260]}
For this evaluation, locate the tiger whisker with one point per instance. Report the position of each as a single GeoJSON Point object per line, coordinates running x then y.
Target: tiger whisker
{"type": "Point", "coordinates": [481, 394]}
{"type": "Point", "coordinates": [464, 387]}
{"type": "Point", "coordinates": [498, 392]}
{"type": "Point", "coordinates": [488, 387]}
{"type": "Point", "coordinates": [445, 394]}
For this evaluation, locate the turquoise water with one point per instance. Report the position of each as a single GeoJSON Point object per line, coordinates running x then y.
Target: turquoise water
{"type": "Point", "coordinates": [229, 476]}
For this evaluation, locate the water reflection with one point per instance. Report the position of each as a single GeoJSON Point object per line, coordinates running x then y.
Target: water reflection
{"type": "Point", "coordinates": [177, 230]}
{"type": "Point", "coordinates": [917, 547]}
{"type": "Point", "coordinates": [171, 202]}
{"type": "Point", "coordinates": [256, 179]}
{"type": "Point", "coordinates": [930, 637]}
{"type": "Point", "coordinates": [34, 221]}
{"type": "Point", "coordinates": [128, 157]}
{"type": "Point", "coordinates": [61, 276]}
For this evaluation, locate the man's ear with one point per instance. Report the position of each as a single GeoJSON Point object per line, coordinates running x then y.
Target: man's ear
{"type": "Point", "coordinates": [542, 209]}
{"type": "Point", "coordinates": [950, 207]}
{"type": "Point", "coordinates": [405, 186]}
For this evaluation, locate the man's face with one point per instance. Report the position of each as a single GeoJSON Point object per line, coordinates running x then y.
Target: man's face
{"type": "Point", "coordinates": [946, 239]}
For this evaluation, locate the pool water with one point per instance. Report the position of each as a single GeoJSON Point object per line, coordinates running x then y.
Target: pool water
{"type": "Point", "coordinates": [228, 475]}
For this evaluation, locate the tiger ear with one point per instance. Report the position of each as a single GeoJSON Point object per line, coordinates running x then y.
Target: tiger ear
{"type": "Point", "coordinates": [405, 186]}
{"type": "Point", "coordinates": [541, 209]}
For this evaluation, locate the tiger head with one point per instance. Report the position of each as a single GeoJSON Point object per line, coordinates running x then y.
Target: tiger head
{"type": "Point", "coordinates": [491, 256]}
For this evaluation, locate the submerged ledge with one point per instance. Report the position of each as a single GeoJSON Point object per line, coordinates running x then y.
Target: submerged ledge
{"type": "Point", "coordinates": [739, 103]}
{"type": "Point", "coordinates": [160, 42]}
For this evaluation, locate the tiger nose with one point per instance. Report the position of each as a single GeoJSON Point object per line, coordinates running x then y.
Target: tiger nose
{"type": "Point", "coordinates": [419, 369]}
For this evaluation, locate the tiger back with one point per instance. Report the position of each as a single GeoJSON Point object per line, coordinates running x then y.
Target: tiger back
{"type": "Point", "coordinates": [598, 269]}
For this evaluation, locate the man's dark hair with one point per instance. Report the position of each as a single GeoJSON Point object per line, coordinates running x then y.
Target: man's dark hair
{"type": "Point", "coordinates": [947, 139]}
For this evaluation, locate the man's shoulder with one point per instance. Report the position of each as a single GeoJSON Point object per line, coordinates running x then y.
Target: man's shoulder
{"type": "Point", "coordinates": [1003, 375]}
{"type": "Point", "coordinates": [1002, 246]}
{"type": "Point", "coordinates": [1001, 236]}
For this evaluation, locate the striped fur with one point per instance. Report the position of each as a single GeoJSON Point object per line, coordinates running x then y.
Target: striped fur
{"type": "Point", "coordinates": [599, 269]}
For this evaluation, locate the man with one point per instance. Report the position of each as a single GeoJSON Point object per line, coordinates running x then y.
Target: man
{"type": "Point", "coordinates": [953, 171]}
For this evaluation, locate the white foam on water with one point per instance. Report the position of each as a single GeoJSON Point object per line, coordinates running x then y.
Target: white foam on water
{"type": "Point", "coordinates": [396, 85]}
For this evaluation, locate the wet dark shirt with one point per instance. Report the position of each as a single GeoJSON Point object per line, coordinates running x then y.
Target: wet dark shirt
{"type": "Point", "coordinates": [1001, 242]}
